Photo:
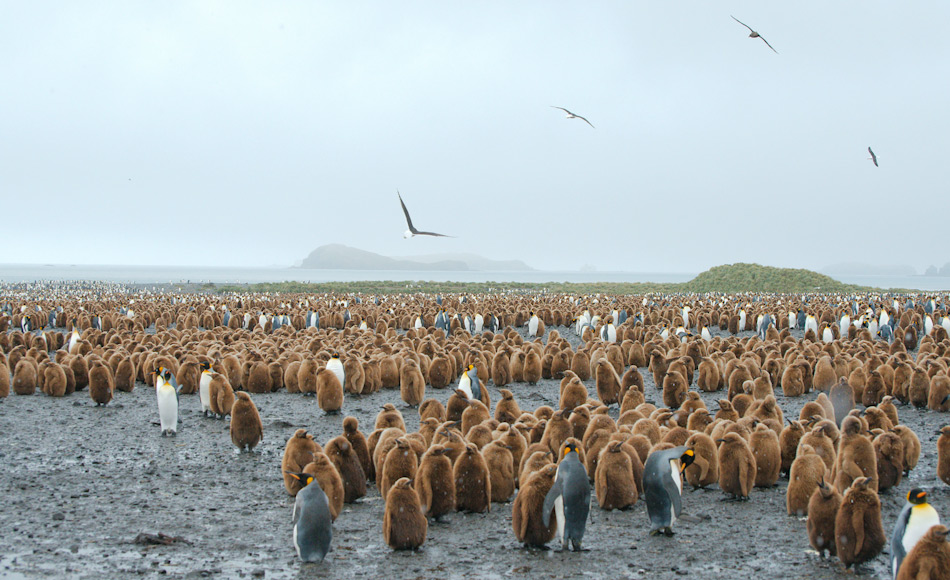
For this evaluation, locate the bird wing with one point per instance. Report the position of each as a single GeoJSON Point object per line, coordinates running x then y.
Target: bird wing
{"type": "Point", "coordinates": [585, 120]}
{"type": "Point", "coordinates": [297, 508]}
{"type": "Point", "coordinates": [563, 109]}
{"type": "Point", "coordinates": [418, 233]}
{"type": "Point", "coordinates": [549, 499]}
{"type": "Point", "coordinates": [406, 211]}
{"type": "Point", "coordinates": [767, 44]}
{"type": "Point", "coordinates": [742, 23]}
{"type": "Point", "coordinates": [873, 157]}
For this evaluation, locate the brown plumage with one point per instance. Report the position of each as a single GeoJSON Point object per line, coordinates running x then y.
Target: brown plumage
{"type": "Point", "coordinates": [55, 380]}
{"type": "Point", "coordinates": [475, 414]}
{"type": "Point", "coordinates": [259, 379]}
{"type": "Point", "coordinates": [501, 470]}
{"type": "Point", "coordinates": [297, 454]}
{"type": "Point", "coordinates": [919, 391]}
{"type": "Point", "coordinates": [704, 470]}
{"type": "Point", "coordinates": [531, 371]}
{"type": "Point", "coordinates": [401, 461]}
{"type": "Point", "coordinates": [404, 524]}
{"type": "Point", "coordinates": [526, 511]}
{"type": "Point", "coordinates": [222, 395]}
{"type": "Point", "coordinates": [101, 384]}
{"type": "Point", "coordinates": [125, 376]}
{"type": "Point", "coordinates": [929, 559]}
{"type": "Point", "coordinates": [708, 379]}
{"type": "Point", "coordinates": [431, 408]}
{"type": "Point", "coordinates": [859, 532]}
{"type": "Point", "coordinates": [329, 392]}
{"type": "Point", "coordinates": [558, 429]}
{"type": "Point", "coordinates": [943, 455]}
{"type": "Point", "coordinates": [806, 472]}
{"type": "Point", "coordinates": [822, 512]}
{"type": "Point", "coordinates": [768, 456]}
{"type": "Point", "coordinates": [856, 457]}
{"type": "Point", "coordinates": [737, 467]}
{"type": "Point", "coordinates": [674, 390]}
{"type": "Point", "coordinates": [889, 455]}
{"type": "Point", "coordinates": [507, 409]}
{"type": "Point", "coordinates": [307, 377]}
{"type": "Point", "coordinates": [412, 386]}
{"type": "Point", "coordinates": [327, 476]}
{"type": "Point", "coordinates": [613, 481]}
{"type": "Point", "coordinates": [788, 441]}
{"type": "Point", "coordinates": [607, 382]}
{"type": "Point", "coordinates": [500, 369]}
{"type": "Point", "coordinates": [24, 377]}
{"type": "Point", "coordinates": [573, 394]}
{"type": "Point", "coordinates": [435, 483]}
{"type": "Point", "coordinates": [348, 465]}
{"type": "Point", "coordinates": [246, 427]}
{"type": "Point", "coordinates": [472, 482]}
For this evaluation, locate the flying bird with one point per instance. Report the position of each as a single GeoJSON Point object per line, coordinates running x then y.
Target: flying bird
{"type": "Point", "coordinates": [873, 157]}
{"type": "Point", "coordinates": [571, 115]}
{"type": "Point", "coordinates": [754, 34]}
{"type": "Point", "coordinates": [412, 231]}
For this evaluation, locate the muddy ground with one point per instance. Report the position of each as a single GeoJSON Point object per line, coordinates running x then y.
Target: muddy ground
{"type": "Point", "coordinates": [79, 483]}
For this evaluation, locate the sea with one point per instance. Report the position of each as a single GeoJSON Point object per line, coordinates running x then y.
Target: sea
{"type": "Point", "coordinates": [251, 275]}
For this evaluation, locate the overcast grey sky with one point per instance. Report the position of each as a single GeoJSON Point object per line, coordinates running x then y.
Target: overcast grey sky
{"type": "Point", "coordinates": [233, 133]}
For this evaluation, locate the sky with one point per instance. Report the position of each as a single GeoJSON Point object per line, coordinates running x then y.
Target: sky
{"type": "Point", "coordinates": [249, 133]}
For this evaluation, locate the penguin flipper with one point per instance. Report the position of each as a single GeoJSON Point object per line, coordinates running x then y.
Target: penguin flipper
{"type": "Point", "coordinates": [297, 509]}
{"type": "Point", "coordinates": [857, 522]}
{"type": "Point", "coordinates": [549, 499]}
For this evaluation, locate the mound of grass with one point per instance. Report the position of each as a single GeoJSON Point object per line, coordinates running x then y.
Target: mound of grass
{"type": "Point", "coordinates": [756, 278]}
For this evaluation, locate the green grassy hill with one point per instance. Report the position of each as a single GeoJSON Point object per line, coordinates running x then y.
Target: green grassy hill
{"type": "Point", "coordinates": [756, 278]}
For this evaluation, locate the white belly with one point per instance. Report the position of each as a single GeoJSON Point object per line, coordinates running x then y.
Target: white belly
{"type": "Point", "coordinates": [168, 408]}
{"type": "Point", "coordinates": [533, 327]}
{"type": "Point", "coordinates": [204, 391]}
{"type": "Point", "coordinates": [337, 367]}
{"type": "Point", "coordinates": [559, 515]}
{"type": "Point", "coordinates": [920, 522]}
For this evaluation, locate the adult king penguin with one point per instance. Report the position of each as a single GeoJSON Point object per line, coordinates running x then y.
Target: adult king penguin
{"type": "Point", "coordinates": [663, 486]}
{"type": "Point", "coordinates": [204, 386]}
{"type": "Point", "coordinates": [335, 366]}
{"type": "Point", "coordinates": [569, 497]}
{"type": "Point", "coordinates": [167, 402]}
{"type": "Point", "coordinates": [468, 384]}
{"type": "Point", "coordinates": [915, 520]}
{"type": "Point", "coordinates": [312, 529]}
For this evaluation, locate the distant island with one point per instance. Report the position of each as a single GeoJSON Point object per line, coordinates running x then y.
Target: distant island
{"type": "Point", "coordinates": [341, 257]}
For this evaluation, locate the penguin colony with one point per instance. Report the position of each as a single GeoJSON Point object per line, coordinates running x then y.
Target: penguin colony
{"type": "Point", "coordinates": [610, 440]}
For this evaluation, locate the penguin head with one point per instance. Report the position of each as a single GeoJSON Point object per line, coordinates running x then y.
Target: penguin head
{"type": "Point", "coordinates": [568, 449]}
{"type": "Point", "coordinates": [335, 355]}
{"type": "Point", "coordinates": [917, 496]}
{"type": "Point", "coordinates": [305, 479]}
{"type": "Point", "coordinates": [204, 365]}
{"type": "Point", "coordinates": [686, 459]}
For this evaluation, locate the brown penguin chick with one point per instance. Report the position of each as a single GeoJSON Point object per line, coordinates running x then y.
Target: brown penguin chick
{"type": "Point", "coordinates": [807, 471]}
{"type": "Point", "coordinates": [380, 442]}
{"type": "Point", "coordinates": [543, 412]}
{"type": "Point", "coordinates": [558, 429]}
{"type": "Point", "coordinates": [709, 379]}
{"type": "Point", "coordinates": [877, 419]}
{"type": "Point", "coordinates": [534, 460]}
{"type": "Point", "coordinates": [573, 394]}
{"type": "Point", "coordinates": [400, 461]}
{"type": "Point", "coordinates": [859, 532]}
{"type": "Point", "coordinates": [704, 470]}
{"type": "Point", "coordinates": [674, 390]}
{"type": "Point", "coordinates": [101, 384]}
{"type": "Point", "coordinates": [580, 365]}
{"type": "Point", "coordinates": [531, 371]}
{"type": "Point", "coordinates": [767, 409]}
{"type": "Point", "coordinates": [527, 518]}
{"type": "Point", "coordinates": [412, 386]}
{"type": "Point", "coordinates": [943, 455]}
{"type": "Point", "coordinates": [221, 394]}
{"type": "Point", "coordinates": [889, 454]}
{"type": "Point", "coordinates": [307, 377]}
{"type": "Point", "coordinates": [929, 558]}
{"type": "Point", "coordinates": [348, 465]}
{"type": "Point", "coordinates": [389, 416]}
{"type": "Point", "coordinates": [874, 390]}
{"type": "Point", "coordinates": [788, 441]}
{"type": "Point", "coordinates": [793, 382]}
{"type": "Point", "coordinates": [326, 475]}
{"type": "Point", "coordinates": [726, 411]}
{"type": "Point", "coordinates": [246, 427]}
{"type": "Point", "coordinates": [742, 403]}
{"type": "Point", "coordinates": [607, 382]}
{"type": "Point", "coordinates": [500, 368]}
{"type": "Point", "coordinates": [297, 454]}
{"type": "Point", "coordinates": [631, 379]}
{"type": "Point", "coordinates": [259, 379]}
{"type": "Point", "coordinates": [24, 377]}
{"type": "Point", "coordinates": [501, 470]}
{"type": "Point", "coordinates": [580, 419]}
{"type": "Point", "coordinates": [435, 483]}
{"type": "Point", "coordinates": [822, 512]}
{"type": "Point", "coordinates": [456, 405]}
{"type": "Point", "coordinates": [832, 430]}
{"type": "Point", "coordinates": [507, 409]}
{"type": "Point", "coordinates": [517, 444]}
{"type": "Point", "coordinates": [472, 482]}
{"type": "Point", "coordinates": [4, 377]}
{"type": "Point", "coordinates": [856, 457]}
{"type": "Point", "coordinates": [823, 445]}
{"type": "Point", "coordinates": [614, 483]}
{"type": "Point", "coordinates": [440, 371]}
{"type": "Point", "coordinates": [80, 370]}
{"type": "Point", "coordinates": [427, 429]}
{"type": "Point", "coordinates": [812, 409]}
{"type": "Point", "coordinates": [825, 375]}
{"type": "Point", "coordinates": [919, 390]}
{"type": "Point", "coordinates": [768, 456]}
{"type": "Point", "coordinates": [939, 397]}
{"type": "Point", "coordinates": [431, 408]}
{"type": "Point", "coordinates": [404, 523]}
{"type": "Point", "coordinates": [699, 420]}
{"type": "Point", "coordinates": [55, 383]}
{"type": "Point", "coordinates": [911, 446]}
{"type": "Point", "coordinates": [516, 366]}
{"type": "Point", "coordinates": [329, 392]}
{"type": "Point", "coordinates": [475, 414]}
{"type": "Point", "coordinates": [480, 435]}
{"type": "Point", "coordinates": [737, 469]}
{"type": "Point", "coordinates": [125, 376]}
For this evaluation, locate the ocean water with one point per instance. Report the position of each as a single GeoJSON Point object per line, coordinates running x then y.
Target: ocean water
{"type": "Point", "coordinates": [239, 275]}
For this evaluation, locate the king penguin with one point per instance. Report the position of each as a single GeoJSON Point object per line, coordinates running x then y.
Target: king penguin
{"type": "Point", "coordinates": [663, 486]}
{"type": "Point", "coordinates": [915, 520]}
{"type": "Point", "coordinates": [204, 386]}
{"type": "Point", "coordinates": [569, 497]}
{"type": "Point", "coordinates": [336, 367]}
{"type": "Point", "coordinates": [167, 402]}
{"type": "Point", "coordinates": [608, 332]}
{"type": "Point", "coordinates": [468, 384]}
{"type": "Point", "coordinates": [74, 339]}
{"type": "Point", "coordinates": [312, 529]}
{"type": "Point", "coordinates": [533, 324]}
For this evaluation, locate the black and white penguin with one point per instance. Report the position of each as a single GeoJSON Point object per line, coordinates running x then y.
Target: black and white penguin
{"type": "Point", "coordinates": [167, 396]}
{"type": "Point", "coordinates": [802, 317]}
{"type": "Point", "coordinates": [533, 323]}
{"type": "Point", "coordinates": [335, 366]}
{"type": "Point", "coordinates": [569, 497]}
{"type": "Point", "coordinates": [915, 520]}
{"type": "Point", "coordinates": [26, 324]}
{"type": "Point", "coordinates": [204, 386]}
{"type": "Point", "coordinates": [885, 333]}
{"type": "Point", "coordinates": [468, 384]}
{"type": "Point", "coordinates": [608, 333]}
{"type": "Point", "coordinates": [663, 486]}
{"type": "Point", "coordinates": [312, 521]}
